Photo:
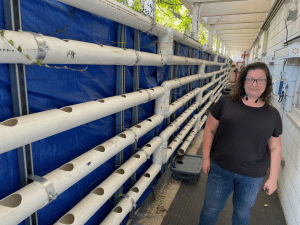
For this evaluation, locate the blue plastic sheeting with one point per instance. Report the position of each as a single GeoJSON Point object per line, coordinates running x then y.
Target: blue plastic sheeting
{"type": "Point", "coordinates": [50, 88]}
{"type": "Point", "coordinates": [9, 173]}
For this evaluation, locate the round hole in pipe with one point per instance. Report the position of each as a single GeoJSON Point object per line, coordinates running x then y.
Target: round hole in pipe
{"type": "Point", "coordinates": [67, 219]}
{"type": "Point", "coordinates": [147, 175]}
{"type": "Point", "coordinates": [171, 125]}
{"type": "Point", "coordinates": [149, 120]}
{"type": "Point", "coordinates": [180, 151]}
{"type": "Point", "coordinates": [100, 148]}
{"type": "Point", "coordinates": [65, 40]}
{"type": "Point", "coordinates": [10, 122]}
{"type": "Point", "coordinates": [67, 167]}
{"type": "Point", "coordinates": [67, 109]}
{"type": "Point", "coordinates": [12, 201]}
{"type": "Point", "coordinates": [140, 91]}
{"type": "Point", "coordinates": [124, 96]}
{"type": "Point", "coordinates": [135, 189]}
{"type": "Point", "coordinates": [118, 209]}
{"type": "Point", "coordinates": [98, 191]}
{"type": "Point", "coordinates": [179, 134]}
{"type": "Point", "coordinates": [152, 89]}
{"type": "Point", "coordinates": [148, 145]}
{"type": "Point", "coordinates": [179, 162]}
{"type": "Point", "coordinates": [137, 156]}
{"type": "Point", "coordinates": [169, 147]}
{"type": "Point", "coordinates": [120, 171]}
{"type": "Point", "coordinates": [172, 104]}
{"type": "Point", "coordinates": [138, 126]}
{"type": "Point", "coordinates": [122, 135]}
{"type": "Point", "coordinates": [183, 129]}
{"type": "Point", "coordinates": [101, 101]}
{"type": "Point", "coordinates": [175, 140]}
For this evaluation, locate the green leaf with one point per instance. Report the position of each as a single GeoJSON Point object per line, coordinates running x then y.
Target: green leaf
{"type": "Point", "coordinates": [2, 33]}
{"type": "Point", "coordinates": [38, 62]}
{"type": "Point", "coordinates": [11, 42]}
{"type": "Point", "coordinates": [47, 66]}
{"type": "Point", "coordinates": [19, 49]}
{"type": "Point", "coordinates": [28, 57]}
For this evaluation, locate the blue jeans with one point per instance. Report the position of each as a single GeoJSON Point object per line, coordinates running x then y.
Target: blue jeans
{"type": "Point", "coordinates": [219, 186]}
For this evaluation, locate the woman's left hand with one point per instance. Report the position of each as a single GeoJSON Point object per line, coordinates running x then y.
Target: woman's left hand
{"type": "Point", "coordinates": [270, 186]}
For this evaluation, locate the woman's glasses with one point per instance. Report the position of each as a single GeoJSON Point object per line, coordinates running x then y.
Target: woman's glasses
{"type": "Point", "coordinates": [258, 81]}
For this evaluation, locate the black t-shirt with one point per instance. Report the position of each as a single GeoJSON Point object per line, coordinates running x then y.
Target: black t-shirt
{"type": "Point", "coordinates": [240, 144]}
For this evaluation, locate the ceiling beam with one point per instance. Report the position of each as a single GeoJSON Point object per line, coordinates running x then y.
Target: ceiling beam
{"type": "Point", "coordinates": [237, 26]}
{"type": "Point", "coordinates": [232, 8]}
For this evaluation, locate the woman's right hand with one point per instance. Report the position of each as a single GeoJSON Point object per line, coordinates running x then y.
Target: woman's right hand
{"type": "Point", "coordinates": [206, 166]}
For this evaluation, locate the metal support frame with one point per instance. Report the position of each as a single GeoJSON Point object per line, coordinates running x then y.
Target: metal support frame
{"type": "Point", "coordinates": [135, 109]}
{"type": "Point", "coordinates": [136, 82]}
{"type": "Point", "coordinates": [120, 89]}
{"type": "Point", "coordinates": [12, 17]}
{"type": "Point", "coordinates": [175, 75]}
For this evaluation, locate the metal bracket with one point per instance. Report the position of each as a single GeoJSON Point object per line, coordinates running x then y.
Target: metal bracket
{"type": "Point", "coordinates": [130, 199]}
{"type": "Point", "coordinates": [43, 48]}
{"type": "Point", "coordinates": [47, 184]}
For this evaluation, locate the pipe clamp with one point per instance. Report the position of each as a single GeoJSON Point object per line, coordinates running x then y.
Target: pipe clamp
{"type": "Point", "coordinates": [130, 199]}
{"type": "Point", "coordinates": [43, 48]}
{"type": "Point", "coordinates": [47, 184]}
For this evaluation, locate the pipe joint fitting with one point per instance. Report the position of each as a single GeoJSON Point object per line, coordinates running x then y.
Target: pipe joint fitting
{"type": "Point", "coordinates": [144, 151]}
{"type": "Point", "coordinates": [130, 199]}
{"type": "Point", "coordinates": [136, 137]}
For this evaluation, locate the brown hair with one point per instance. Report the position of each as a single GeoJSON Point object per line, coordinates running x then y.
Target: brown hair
{"type": "Point", "coordinates": [238, 92]}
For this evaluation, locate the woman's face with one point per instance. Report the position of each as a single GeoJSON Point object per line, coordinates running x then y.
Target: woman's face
{"type": "Point", "coordinates": [257, 87]}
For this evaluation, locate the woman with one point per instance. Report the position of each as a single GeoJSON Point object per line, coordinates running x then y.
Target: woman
{"type": "Point", "coordinates": [242, 139]}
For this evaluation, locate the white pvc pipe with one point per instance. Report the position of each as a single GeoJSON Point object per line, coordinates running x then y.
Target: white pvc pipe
{"type": "Point", "coordinates": [106, 189]}
{"type": "Point", "coordinates": [70, 173]}
{"type": "Point", "coordinates": [126, 204]}
{"type": "Point", "coordinates": [72, 52]}
{"type": "Point", "coordinates": [115, 11]}
{"type": "Point", "coordinates": [183, 100]}
{"type": "Point", "coordinates": [187, 142]}
{"type": "Point", "coordinates": [26, 129]}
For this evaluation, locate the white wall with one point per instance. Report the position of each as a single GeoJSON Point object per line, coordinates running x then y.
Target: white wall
{"type": "Point", "coordinates": [289, 176]}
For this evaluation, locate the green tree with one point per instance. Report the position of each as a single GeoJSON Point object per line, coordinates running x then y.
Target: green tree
{"type": "Point", "coordinates": [171, 13]}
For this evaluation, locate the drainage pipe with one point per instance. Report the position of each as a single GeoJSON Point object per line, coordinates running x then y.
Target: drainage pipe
{"type": "Point", "coordinates": [14, 208]}
{"type": "Point", "coordinates": [106, 189]}
{"type": "Point", "coordinates": [129, 201]}
{"type": "Point", "coordinates": [31, 128]}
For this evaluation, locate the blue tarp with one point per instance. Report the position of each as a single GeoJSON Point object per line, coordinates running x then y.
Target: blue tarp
{"type": "Point", "coordinates": [50, 88]}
